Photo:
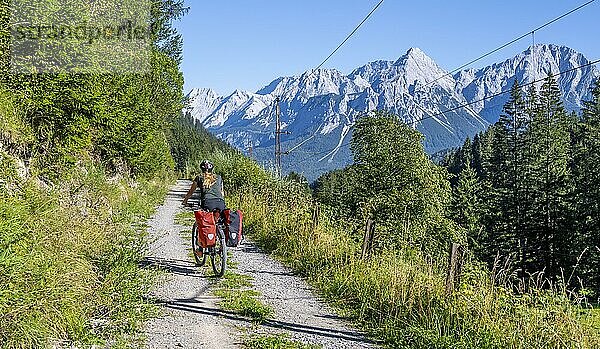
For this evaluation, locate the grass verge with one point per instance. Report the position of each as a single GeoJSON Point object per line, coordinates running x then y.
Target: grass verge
{"type": "Point", "coordinates": [236, 294]}
{"type": "Point", "coordinates": [280, 341]}
{"type": "Point", "coordinates": [70, 259]}
{"type": "Point", "coordinates": [399, 297]}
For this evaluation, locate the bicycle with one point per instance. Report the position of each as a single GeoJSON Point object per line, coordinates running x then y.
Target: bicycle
{"type": "Point", "coordinates": [217, 253]}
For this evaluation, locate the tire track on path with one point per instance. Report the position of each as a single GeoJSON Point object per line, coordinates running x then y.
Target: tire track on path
{"type": "Point", "coordinates": [298, 311]}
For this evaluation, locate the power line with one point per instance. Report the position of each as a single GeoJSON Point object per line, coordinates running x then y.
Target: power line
{"type": "Point", "coordinates": [317, 154]}
{"type": "Point", "coordinates": [340, 46]}
{"type": "Point", "coordinates": [278, 132]}
{"type": "Point", "coordinates": [512, 41]}
{"type": "Point", "coordinates": [313, 155]}
{"type": "Point", "coordinates": [351, 34]}
{"type": "Point", "coordinates": [507, 91]}
{"type": "Point", "coordinates": [323, 63]}
{"type": "Point", "coordinates": [531, 32]}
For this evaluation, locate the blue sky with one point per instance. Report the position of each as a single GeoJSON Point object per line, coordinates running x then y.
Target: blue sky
{"type": "Point", "coordinates": [245, 44]}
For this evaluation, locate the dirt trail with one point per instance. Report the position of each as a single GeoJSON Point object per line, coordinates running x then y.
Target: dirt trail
{"type": "Point", "coordinates": [191, 317]}
{"type": "Point", "coordinates": [297, 311]}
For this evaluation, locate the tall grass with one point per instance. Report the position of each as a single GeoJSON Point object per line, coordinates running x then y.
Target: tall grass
{"type": "Point", "coordinates": [69, 258]}
{"type": "Point", "coordinates": [15, 135]}
{"type": "Point", "coordinates": [399, 296]}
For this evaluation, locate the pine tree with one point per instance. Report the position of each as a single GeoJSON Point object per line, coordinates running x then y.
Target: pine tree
{"type": "Point", "coordinates": [586, 170]}
{"type": "Point", "coordinates": [466, 207]}
{"type": "Point", "coordinates": [478, 152]}
{"type": "Point", "coordinates": [514, 123]}
{"type": "Point", "coordinates": [530, 216]}
{"type": "Point", "coordinates": [549, 180]}
{"type": "Point", "coordinates": [503, 180]}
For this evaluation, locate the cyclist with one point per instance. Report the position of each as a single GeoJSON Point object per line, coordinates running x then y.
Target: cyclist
{"type": "Point", "coordinates": [212, 195]}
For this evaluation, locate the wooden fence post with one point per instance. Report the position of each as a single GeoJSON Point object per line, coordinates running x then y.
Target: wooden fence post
{"type": "Point", "coordinates": [455, 262]}
{"type": "Point", "coordinates": [368, 240]}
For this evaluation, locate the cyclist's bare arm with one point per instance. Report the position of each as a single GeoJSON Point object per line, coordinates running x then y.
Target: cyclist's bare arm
{"type": "Point", "coordinates": [190, 193]}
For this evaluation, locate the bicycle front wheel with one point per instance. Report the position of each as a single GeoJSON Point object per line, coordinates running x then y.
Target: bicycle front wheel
{"type": "Point", "coordinates": [199, 254]}
{"type": "Point", "coordinates": [219, 257]}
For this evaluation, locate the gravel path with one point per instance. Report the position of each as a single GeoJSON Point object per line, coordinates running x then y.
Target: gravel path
{"type": "Point", "coordinates": [191, 317]}
{"type": "Point", "coordinates": [297, 311]}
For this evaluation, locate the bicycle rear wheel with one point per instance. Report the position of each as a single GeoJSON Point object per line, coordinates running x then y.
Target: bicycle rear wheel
{"type": "Point", "coordinates": [219, 255]}
{"type": "Point", "coordinates": [199, 254]}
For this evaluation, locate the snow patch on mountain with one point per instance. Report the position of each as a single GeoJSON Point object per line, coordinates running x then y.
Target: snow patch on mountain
{"type": "Point", "coordinates": [321, 106]}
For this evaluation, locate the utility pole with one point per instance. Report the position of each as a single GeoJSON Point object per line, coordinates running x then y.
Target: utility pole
{"type": "Point", "coordinates": [278, 133]}
{"type": "Point", "coordinates": [278, 138]}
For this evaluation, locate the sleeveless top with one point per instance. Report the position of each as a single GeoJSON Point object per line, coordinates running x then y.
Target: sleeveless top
{"type": "Point", "coordinates": [214, 192]}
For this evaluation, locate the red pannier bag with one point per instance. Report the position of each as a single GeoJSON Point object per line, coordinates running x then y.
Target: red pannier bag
{"type": "Point", "coordinates": [207, 229]}
{"type": "Point", "coordinates": [233, 227]}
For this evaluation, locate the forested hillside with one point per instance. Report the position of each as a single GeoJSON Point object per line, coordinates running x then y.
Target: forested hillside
{"type": "Point", "coordinates": [84, 160]}
{"type": "Point", "coordinates": [527, 189]}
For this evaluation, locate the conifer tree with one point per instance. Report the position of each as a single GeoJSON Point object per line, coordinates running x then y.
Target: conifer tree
{"type": "Point", "coordinates": [586, 201]}
{"type": "Point", "coordinates": [503, 182]}
{"type": "Point", "coordinates": [549, 180]}
{"type": "Point", "coordinates": [466, 207]}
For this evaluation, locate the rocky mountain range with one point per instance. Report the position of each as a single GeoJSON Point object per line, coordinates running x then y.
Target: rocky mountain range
{"type": "Point", "coordinates": [319, 107]}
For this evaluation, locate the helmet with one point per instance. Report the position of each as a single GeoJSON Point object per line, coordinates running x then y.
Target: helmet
{"type": "Point", "coordinates": [206, 166]}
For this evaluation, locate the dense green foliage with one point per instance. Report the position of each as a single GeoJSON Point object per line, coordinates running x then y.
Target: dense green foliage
{"type": "Point", "coordinates": [398, 293]}
{"type": "Point", "coordinates": [393, 182]}
{"type": "Point", "coordinates": [69, 258]}
{"type": "Point", "coordinates": [191, 143]}
{"type": "Point", "coordinates": [527, 189]}
{"type": "Point", "coordinates": [121, 119]}
{"type": "Point", "coordinates": [84, 159]}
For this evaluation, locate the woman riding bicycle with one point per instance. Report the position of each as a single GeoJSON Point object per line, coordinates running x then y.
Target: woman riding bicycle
{"type": "Point", "coordinates": [212, 195]}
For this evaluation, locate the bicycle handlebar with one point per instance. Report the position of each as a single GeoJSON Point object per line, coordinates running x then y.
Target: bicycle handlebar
{"type": "Point", "coordinates": [191, 208]}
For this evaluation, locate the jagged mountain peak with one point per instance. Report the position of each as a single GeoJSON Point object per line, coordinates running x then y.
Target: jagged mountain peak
{"type": "Point", "coordinates": [201, 103]}
{"type": "Point", "coordinates": [320, 73]}
{"type": "Point", "coordinates": [202, 91]}
{"type": "Point", "coordinates": [416, 67]}
{"type": "Point", "coordinates": [416, 54]}
{"type": "Point", "coordinates": [320, 106]}
{"type": "Point", "coordinates": [533, 64]}
{"type": "Point", "coordinates": [241, 94]}
{"type": "Point", "coordinates": [371, 71]}
{"type": "Point", "coordinates": [552, 49]}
